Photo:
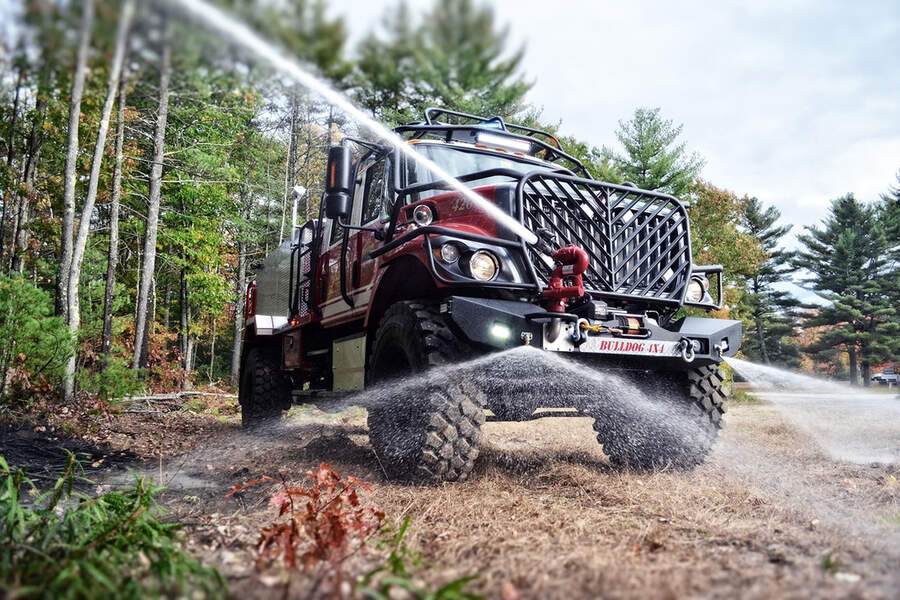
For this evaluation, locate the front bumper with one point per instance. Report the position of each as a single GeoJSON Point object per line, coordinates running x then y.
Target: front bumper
{"type": "Point", "coordinates": [504, 324]}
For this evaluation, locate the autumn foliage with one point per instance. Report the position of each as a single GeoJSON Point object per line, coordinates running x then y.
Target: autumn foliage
{"type": "Point", "coordinates": [318, 527]}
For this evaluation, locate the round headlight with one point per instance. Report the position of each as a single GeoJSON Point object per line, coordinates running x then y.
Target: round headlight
{"type": "Point", "coordinates": [422, 215]}
{"type": "Point", "coordinates": [695, 291]}
{"type": "Point", "coordinates": [449, 253]}
{"type": "Point", "coordinates": [484, 266]}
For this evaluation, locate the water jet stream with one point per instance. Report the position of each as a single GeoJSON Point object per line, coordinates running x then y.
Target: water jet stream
{"type": "Point", "coordinates": [853, 424]}
{"type": "Point", "coordinates": [218, 20]}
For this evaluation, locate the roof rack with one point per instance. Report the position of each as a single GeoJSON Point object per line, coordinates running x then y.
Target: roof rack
{"type": "Point", "coordinates": [432, 112]}
{"type": "Point", "coordinates": [469, 131]}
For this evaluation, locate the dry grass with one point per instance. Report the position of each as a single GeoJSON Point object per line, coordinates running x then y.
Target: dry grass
{"type": "Point", "coordinates": [545, 514]}
{"type": "Point", "coordinates": [769, 515]}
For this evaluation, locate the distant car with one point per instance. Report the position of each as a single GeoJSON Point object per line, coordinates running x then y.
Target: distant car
{"type": "Point", "coordinates": [887, 377]}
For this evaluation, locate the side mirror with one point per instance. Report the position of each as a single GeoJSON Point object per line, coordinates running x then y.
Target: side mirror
{"type": "Point", "coordinates": [338, 202]}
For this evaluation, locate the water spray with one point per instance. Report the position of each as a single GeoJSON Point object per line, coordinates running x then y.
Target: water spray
{"type": "Point", "coordinates": [853, 424]}
{"type": "Point", "coordinates": [221, 22]}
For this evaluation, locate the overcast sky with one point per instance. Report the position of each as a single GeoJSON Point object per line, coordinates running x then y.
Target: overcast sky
{"type": "Point", "coordinates": [795, 102]}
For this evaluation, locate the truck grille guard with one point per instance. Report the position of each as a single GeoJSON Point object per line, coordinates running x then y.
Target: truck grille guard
{"type": "Point", "coordinates": [638, 241]}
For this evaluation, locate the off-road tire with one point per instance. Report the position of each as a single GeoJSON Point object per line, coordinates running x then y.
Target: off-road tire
{"type": "Point", "coordinates": [681, 435]}
{"type": "Point", "coordinates": [706, 387]}
{"type": "Point", "coordinates": [434, 433]}
{"type": "Point", "coordinates": [264, 391]}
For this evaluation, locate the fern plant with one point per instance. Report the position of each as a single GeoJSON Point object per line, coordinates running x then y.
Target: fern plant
{"type": "Point", "coordinates": [64, 544]}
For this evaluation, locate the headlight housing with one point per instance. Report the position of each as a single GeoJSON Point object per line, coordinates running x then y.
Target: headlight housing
{"type": "Point", "coordinates": [422, 215]}
{"type": "Point", "coordinates": [696, 290]}
{"type": "Point", "coordinates": [449, 252]}
{"type": "Point", "coordinates": [484, 266]}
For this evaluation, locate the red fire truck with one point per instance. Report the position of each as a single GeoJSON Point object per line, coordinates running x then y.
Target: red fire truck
{"type": "Point", "coordinates": [401, 273]}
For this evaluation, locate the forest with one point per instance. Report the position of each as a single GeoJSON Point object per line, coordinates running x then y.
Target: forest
{"type": "Point", "coordinates": [148, 166]}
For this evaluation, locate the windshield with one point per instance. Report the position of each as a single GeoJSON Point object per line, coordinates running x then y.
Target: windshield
{"type": "Point", "coordinates": [460, 161]}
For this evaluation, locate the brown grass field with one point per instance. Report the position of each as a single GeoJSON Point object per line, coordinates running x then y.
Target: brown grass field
{"type": "Point", "coordinates": [544, 516]}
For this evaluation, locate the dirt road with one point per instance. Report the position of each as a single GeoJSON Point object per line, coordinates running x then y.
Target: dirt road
{"type": "Point", "coordinates": [852, 425]}
{"type": "Point", "coordinates": [771, 514]}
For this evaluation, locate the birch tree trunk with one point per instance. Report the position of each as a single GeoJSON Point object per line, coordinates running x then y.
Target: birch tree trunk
{"type": "Point", "coordinates": [187, 339]}
{"type": "Point", "coordinates": [151, 322]}
{"type": "Point", "coordinates": [212, 350]}
{"type": "Point", "coordinates": [68, 220]}
{"type": "Point", "coordinates": [84, 225]}
{"type": "Point", "coordinates": [239, 285]}
{"type": "Point", "coordinates": [306, 161]}
{"type": "Point", "coordinates": [113, 256]}
{"type": "Point", "coordinates": [143, 304]}
{"type": "Point", "coordinates": [183, 319]}
{"type": "Point", "coordinates": [289, 179]}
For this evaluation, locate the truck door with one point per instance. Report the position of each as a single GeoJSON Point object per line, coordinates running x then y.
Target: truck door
{"type": "Point", "coordinates": [335, 308]}
{"type": "Point", "coordinates": [375, 193]}
{"type": "Point", "coordinates": [369, 209]}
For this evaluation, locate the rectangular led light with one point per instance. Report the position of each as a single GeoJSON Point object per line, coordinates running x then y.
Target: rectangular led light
{"type": "Point", "coordinates": [501, 331]}
{"type": "Point", "coordinates": [492, 139]}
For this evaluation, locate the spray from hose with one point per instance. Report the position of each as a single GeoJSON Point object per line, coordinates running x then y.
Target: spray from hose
{"type": "Point", "coordinates": [221, 22]}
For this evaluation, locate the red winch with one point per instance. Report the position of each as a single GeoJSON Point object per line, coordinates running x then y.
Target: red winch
{"type": "Point", "coordinates": [572, 261]}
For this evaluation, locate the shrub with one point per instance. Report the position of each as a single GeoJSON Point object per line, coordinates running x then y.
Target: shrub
{"type": "Point", "coordinates": [34, 346]}
{"type": "Point", "coordinates": [64, 544]}
{"type": "Point", "coordinates": [164, 372]}
{"type": "Point", "coordinates": [113, 378]}
{"type": "Point", "coordinates": [326, 523]}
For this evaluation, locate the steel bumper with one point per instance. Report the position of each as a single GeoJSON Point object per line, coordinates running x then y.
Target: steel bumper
{"type": "Point", "coordinates": [504, 324]}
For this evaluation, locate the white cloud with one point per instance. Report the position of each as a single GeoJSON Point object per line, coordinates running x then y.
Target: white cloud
{"type": "Point", "coordinates": [793, 102]}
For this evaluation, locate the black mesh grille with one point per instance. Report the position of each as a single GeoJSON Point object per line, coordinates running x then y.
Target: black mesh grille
{"type": "Point", "coordinates": [638, 241]}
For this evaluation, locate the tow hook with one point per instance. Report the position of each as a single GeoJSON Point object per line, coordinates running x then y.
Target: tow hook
{"type": "Point", "coordinates": [720, 349]}
{"type": "Point", "coordinates": [577, 337]}
{"type": "Point", "coordinates": [687, 349]}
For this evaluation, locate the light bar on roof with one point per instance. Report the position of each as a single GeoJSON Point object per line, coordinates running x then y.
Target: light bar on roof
{"type": "Point", "coordinates": [501, 141]}
{"type": "Point", "coordinates": [495, 123]}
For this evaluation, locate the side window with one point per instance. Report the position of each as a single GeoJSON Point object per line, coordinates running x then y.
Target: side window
{"type": "Point", "coordinates": [376, 188]}
{"type": "Point", "coordinates": [337, 232]}
{"type": "Point", "coordinates": [408, 170]}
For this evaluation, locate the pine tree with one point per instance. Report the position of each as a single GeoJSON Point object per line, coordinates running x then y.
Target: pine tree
{"type": "Point", "coordinates": [848, 261]}
{"type": "Point", "coordinates": [890, 215]}
{"type": "Point", "coordinates": [654, 158]}
{"type": "Point", "coordinates": [386, 67]}
{"type": "Point", "coordinates": [456, 58]}
{"type": "Point", "coordinates": [772, 310]}
{"type": "Point", "coordinates": [304, 29]}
